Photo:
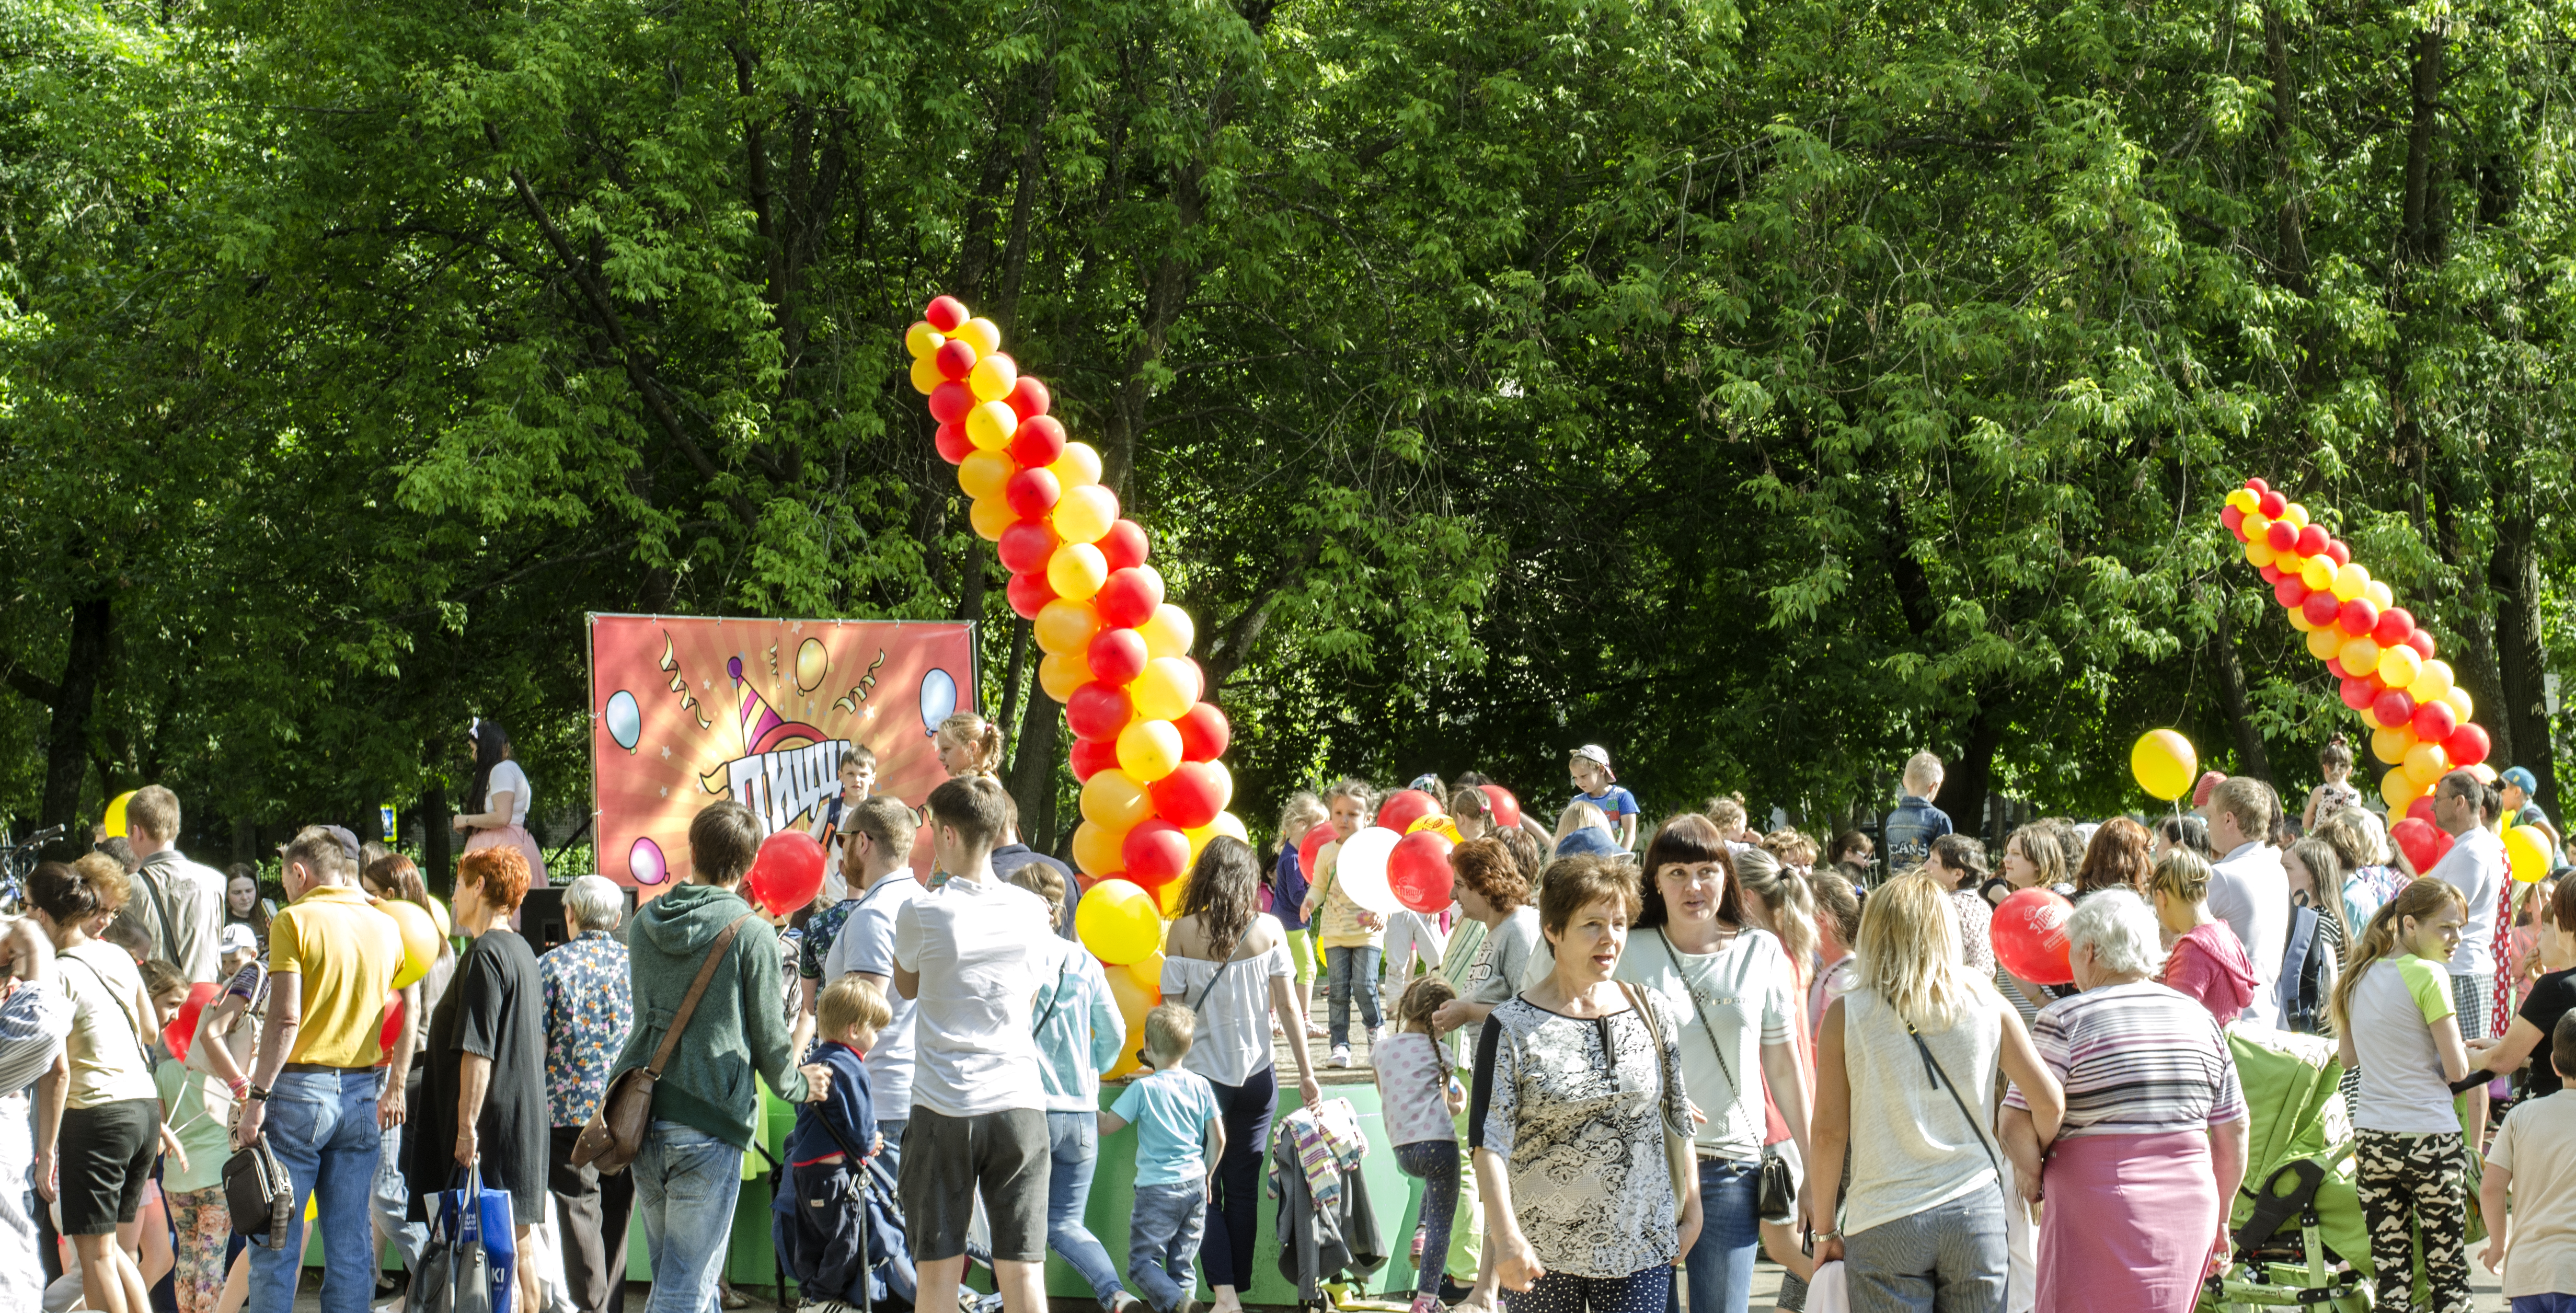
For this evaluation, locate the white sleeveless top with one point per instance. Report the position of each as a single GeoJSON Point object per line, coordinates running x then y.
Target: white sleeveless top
{"type": "Point", "coordinates": [1911, 1150]}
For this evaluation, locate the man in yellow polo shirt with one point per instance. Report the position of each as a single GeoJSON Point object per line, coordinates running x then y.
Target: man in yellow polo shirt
{"type": "Point", "coordinates": [316, 1090]}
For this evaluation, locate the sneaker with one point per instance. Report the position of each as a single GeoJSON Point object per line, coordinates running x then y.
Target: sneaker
{"type": "Point", "coordinates": [1377, 1036]}
{"type": "Point", "coordinates": [1341, 1056]}
{"type": "Point", "coordinates": [1426, 1304]}
{"type": "Point", "coordinates": [823, 1306]}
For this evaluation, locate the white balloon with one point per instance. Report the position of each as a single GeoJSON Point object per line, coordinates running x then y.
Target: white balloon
{"type": "Point", "coordinates": [1360, 870]}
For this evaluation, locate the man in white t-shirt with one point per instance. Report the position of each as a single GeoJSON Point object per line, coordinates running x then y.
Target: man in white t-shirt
{"type": "Point", "coordinates": [2464, 807]}
{"type": "Point", "coordinates": [967, 953]}
{"type": "Point", "coordinates": [882, 830]}
{"type": "Point", "coordinates": [2248, 889]}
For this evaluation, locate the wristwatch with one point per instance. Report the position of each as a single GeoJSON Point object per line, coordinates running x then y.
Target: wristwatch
{"type": "Point", "coordinates": [259, 1094]}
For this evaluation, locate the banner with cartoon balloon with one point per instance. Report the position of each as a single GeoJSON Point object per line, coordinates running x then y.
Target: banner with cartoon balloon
{"type": "Point", "coordinates": [688, 709]}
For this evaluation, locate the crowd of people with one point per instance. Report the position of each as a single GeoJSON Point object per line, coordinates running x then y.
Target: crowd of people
{"type": "Point", "coordinates": [1623, 1064]}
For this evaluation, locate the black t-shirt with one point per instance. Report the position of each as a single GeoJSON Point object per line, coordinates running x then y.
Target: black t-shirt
{"type": "Point", "coordinates": [2551, 996]}
{"type": "Point", "coordinates": [495, 1007]}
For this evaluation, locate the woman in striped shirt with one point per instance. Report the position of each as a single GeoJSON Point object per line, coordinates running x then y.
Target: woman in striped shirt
{"type": "Point", "coordinates": [2153, 1140]}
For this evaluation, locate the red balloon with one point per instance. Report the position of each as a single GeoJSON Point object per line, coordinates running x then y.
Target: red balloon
{"type": "Point", "coordinates": [2029, 935]}
{"type": "Point", "coordinates": [955, 360]}
{"type": "Point", "coordinates": [2437, 722]}
{"type": "Point", "coordinates": [2272, 505]}
{"type": "Point", "coordinates": [2234, 519]}
{"type": "Point", "coordinates": [2334, 667]}
{"type": "Point", "coordinates": [1204, 732]}
{"type": "Point", "coordinates": [1507, 809]}
{"type": "Point", "coordinates": [787, 873]}
{"type": "Point", "coordinates": [1312, 844]}
{"type": "Point", "coordinates": [1117, 656]}
{"type": "Point", "coordinates": [2467, 745]}
{"type": "Point", "coordinates": [2393, 708]}
{"type": "Point", "coordinates": [1402, 809]}
{"type": "Point", "coordinates": [2422, 809]}
{"type": "Point", "coordinates": [1418, 871]}
{"type": "Point", "coordinates": [1156, 848]}
{"type": "Point", "coordinates": [2422, 841]}
{"type": "Point", "coordinates": [2321, 608]}
{"type": "Point", "coordinates": [2339, 552]}
{"type": "Point", "coordinates": [2280, 536]}
{"type": "Point", "coordinates": [1029, 591]}
{"type": "Point", "coordinates": [945, 313]}
{"type": "Point", "coordinates": [1032, 493]}
{"type": "Point", "coordinates": [1027, 546]}
{"type": "Point", "coordinates": [953, 444]}
{"type": "Point", "coordinates": [2271, 574]}
{"type": "Point", "coordinates": [2394, 625]}
{"type": "Point", "coordinates": [1097, 711]}
{"type": "Point", "coordinates": [1124, 545]}
{"type": "Point", "coordinates": [1090, 758]}
{"type": "Point", "coordinates": [2422, 641]}
{"type": "Point", "coordinates": [2357, 617]}
{"type": "Point", "coordinates": [2257, 486]}
{"type": "Point", "coordinates": [182, 1030]}
{"type": "Point", "coordinates": [1038, 441]}
{"type": "Point", "coordinates": [1029, 398]}
{"type": "Point", "coordinates": [1187, 797]}
{"type": "Point", "coordinates": [2358, 694]}
{"type": "Point", "coordinates": [2312, 540]}
{"type": "Point", "coordinates": [950, 401]}
{"type": "Point", "coordinates": [2290, 591]}
{"type": "Point", "coordinates": [1129, 597]}
{"type": "Point", "coordinates": [385, 1037]}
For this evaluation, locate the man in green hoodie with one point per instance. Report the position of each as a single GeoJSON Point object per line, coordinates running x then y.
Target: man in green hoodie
{"type": "Point", "coordinates": [706, 1108]}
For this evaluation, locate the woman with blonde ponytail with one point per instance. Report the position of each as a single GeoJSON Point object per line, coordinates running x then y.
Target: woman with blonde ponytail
{"type": "Point", "coordinates": [969, 745]}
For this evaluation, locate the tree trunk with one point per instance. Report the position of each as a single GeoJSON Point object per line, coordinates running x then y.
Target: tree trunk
{"type": "Point", "coordinates": [1033, 773]}
{"type": "Point", "coordinates": [67, 756]}
{"type": "Point", "coordinates": [437, 840]}
{"type": "Point", "coordinates": [2519, 721]}
{"type": "Point", "coordinates": [1966, 780]}
{"type": "Point", "coordinates": [2251, 758]}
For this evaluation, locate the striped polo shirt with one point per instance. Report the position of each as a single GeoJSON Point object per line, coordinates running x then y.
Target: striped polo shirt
{"type": "Point", "coordinates": [2136, 1060]}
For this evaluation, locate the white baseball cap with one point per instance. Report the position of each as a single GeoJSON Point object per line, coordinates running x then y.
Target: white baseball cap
{"type": "Point", "coordinates": [237, 937]}
{"type": "Point", "coordinates": [1594, 752]}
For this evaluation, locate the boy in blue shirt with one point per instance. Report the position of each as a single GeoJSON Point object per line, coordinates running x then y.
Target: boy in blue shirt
{"type": "Point", "coordinates": [849, 1015]}
{"type": "Point", "coordinates": [1590, 766]}
{"type": "Point", "coordinates": [1176, 1118]}
{"type": "Point", "coordinates": [1911, 828]}
{"type": "Point", "coordinates": [819, 1219]}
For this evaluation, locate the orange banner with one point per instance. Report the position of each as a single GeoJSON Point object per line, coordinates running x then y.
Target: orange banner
{"type": "Point", "coordinates": [688, 709]}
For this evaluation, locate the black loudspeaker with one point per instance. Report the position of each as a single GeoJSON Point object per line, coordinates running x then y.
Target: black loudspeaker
{"type": "Point", "coordinates": [541, 918]}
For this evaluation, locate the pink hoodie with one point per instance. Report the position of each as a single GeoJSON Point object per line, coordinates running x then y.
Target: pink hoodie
{"type": "Point", "coordinates": [2209, 966]}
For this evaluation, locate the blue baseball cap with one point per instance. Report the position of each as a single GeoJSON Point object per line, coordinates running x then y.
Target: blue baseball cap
{"type": "Point", "coordinates": [2521, 779]}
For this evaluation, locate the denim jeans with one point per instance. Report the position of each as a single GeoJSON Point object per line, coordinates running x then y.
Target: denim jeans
{"type": "Point", "coordinates": [1073, 1144]}
{"type": "Point", "coordinates": [1348, 971]}
{"type": "Point", "coordinates": [1162, 1236]}
{"type": "Point", "coordinates": [1435, 1163]}
{"type": "Point", "coordinates": [686, 1182]}
{"type": "Point", "coordinates": [322, 1127]}
{"type": "Point", "coordinates": [1720, 1262]}
{"type": "Point", "coordinates": [390, 1200]}
{"type": "Point", "coordinates": [1951, 1258]}
{"type": "Point", "coordinates": [891, 1131]}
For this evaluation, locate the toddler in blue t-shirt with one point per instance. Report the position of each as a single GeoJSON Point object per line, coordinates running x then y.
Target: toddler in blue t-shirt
{"type": "Point", "coordinates": [1179, 1133]}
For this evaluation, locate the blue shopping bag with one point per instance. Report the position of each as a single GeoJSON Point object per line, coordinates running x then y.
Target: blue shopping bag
{"type": "Point", "coordinates": [484, 1247]}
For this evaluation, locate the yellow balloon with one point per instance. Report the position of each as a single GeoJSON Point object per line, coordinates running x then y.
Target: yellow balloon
{"type": "Point", "coordinates": [2318, 574]}
{"type": "Point", "coordinates": [1097, 851]}
{"type": "Point", "coordinates": [1134, 1001]}
{"type": "Point", "coordinates": [2390, 745]}
{"type": "Point", "coordinates": [1147, 971]}
{"type": "Point", "coordinates": [2526, 851]}
{"type": "Point", "coordinates": [983, 334]}
{"type": "Point", "coordinates": [1444, 826]}
{"type": "Point", "coordinates": [2461, 707]}
{"type": "Point", "coordinates": [1076, 571]}
{"type": "Point", "coordinates": [1168, 632]}
{"type": "Point", "coordinates": [1148, 750]}
{"type": "Point", "coordinates": [2360, 655]}
{"type": "Point", "coordinates": [990, 425]}
{"type": "Point", "coordinates": [2398, 666]}
{"type": "Point", "coordinates": [1229, 824]}
{"type": "Point", "coordinates": [114, 821]}
{"type": "Point", "coordinates": [2432, 680]}
{"type": "Point", "coordinates": [983, 473]}
{"type": "Point", "coordinates": [2299, 620]}
{"type": "Point", "coordinates": [1117, 921]}
{"type": "Point", "coordinates": [922, 340]}
{"type": "Point", "coordinates": [2256, 526]}
{"type": "Point", "coordinates": [1114, 801]}
{"type": "Point", "coordinates": [1085, 512]}
{"type": "Point", "coordinates": [2294, 515]}
{"type": "Point", "coordinates": [420, 939]}
{"type": "Point", "coordinates": [993, 378]}
{"type": "Point", "coordinates": [2425, 763]}
{"type": "Point", "coordinates": [2351, 580]}
{"type": "Point", "coordinates": [926, 377]}
{"type": "Point", "coordinates": [990, 516]}
{"type": "Point", "coordinates": [2244, 500]}
{"type": "Point", "coordinates": [1169, 897]}
{"type": "Point", "coordinates": [2397, 789]}
{"type": "Point", "coordinates": [2325, 641]}
{"type": "Point", "coordinates": [1065, 626]}
{"type": "Point", "coordinates": [2484, 773]}
{"type": "Point", "coordinates": [2164, 763]}
{"type": "Point", "coordinates": [1060, 673]}
{"type": "Point", "coordinates": [2380, 594]}
{"type": "Point", "coordinates": [1167, 688]}
{"type": "Point", "coordinates": [2259, 553]}
{"type": "Point", "coordinates": [1077, 465]}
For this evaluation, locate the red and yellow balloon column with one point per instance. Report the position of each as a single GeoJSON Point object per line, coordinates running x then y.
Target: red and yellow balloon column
{"type": "Point", "coordinates": [1147, 747]}
{"type": "Point", "coordinates": [2418, 716]}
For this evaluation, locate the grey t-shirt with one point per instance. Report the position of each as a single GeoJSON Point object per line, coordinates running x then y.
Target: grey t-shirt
{"type": "Point", "coordinates": [1499, 971]}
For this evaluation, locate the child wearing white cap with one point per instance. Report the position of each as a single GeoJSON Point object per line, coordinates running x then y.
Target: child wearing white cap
{"type": "Point", "coordinates": [1593, 783]}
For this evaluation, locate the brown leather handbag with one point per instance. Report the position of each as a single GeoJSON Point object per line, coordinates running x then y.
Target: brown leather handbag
{"type": "Point", "coordinates": [616, 1129]}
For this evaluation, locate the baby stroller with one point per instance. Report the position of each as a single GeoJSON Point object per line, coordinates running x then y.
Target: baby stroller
{"type": "Point", "coordinates": [2299, 1237]}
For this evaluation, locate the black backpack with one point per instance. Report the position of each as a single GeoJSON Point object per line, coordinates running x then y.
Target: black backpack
{"type": "Point", "coordinates": [2307, 974]}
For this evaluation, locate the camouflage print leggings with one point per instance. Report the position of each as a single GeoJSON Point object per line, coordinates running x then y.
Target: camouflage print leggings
{"type": "Point", "coordinates": [2408, 1182]}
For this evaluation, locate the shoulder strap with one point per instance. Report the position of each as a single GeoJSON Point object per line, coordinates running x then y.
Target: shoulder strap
{"type": "Point", "coordinates": [1941, 1077]}
{"type": "Point", "coordinates": [1734, 1092]}
{"type": "Point", "coordinates": [1063, 985]}
{"type": "Point", "coordinates": [132, 1026]}
{"type": "Point", "coordinates": [689, 1006]}
{"type": "Point", "coordinates": [161, 909]}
